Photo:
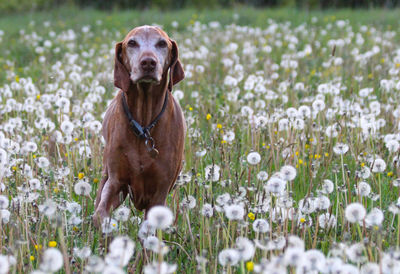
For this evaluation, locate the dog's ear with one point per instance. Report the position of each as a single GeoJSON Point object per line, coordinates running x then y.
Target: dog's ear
{"type": "Point", "coordinates": [176, 70]}
{"type": "Point", "coordinates": [121, 74]}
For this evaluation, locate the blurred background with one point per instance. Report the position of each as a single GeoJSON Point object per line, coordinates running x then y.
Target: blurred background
{"type": "Point", "coordinates": [7, 6]}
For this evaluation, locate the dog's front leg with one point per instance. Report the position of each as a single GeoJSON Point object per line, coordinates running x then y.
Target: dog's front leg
{"type": "Point", "coordinates": [108, 198]}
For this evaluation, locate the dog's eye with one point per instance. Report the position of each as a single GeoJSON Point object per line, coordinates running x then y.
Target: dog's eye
{"type": "Point", "coordinates": [161, 44]}
{"type": "Point", "coordinates": [133, 43]}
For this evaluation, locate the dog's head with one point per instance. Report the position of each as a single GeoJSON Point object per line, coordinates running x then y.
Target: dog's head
{"type": "Point", "coordinates": [144, 56]}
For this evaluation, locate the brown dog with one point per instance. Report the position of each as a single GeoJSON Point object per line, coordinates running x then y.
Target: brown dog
{"type": "Point", "coordinates": [144, 127]}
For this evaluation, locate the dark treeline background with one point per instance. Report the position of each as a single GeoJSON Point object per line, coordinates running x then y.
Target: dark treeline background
{"type": "Point", "coordinates": [32, 5]}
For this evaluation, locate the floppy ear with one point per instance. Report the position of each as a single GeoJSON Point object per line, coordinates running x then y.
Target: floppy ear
{"type": "Point", "coordinates": [176, 71]}
{"type": "Point", "coordinates": [121, 74]}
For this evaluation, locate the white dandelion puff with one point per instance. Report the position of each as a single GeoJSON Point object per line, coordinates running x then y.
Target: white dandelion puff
{"type": "Point", "coordinates": [288, 173]}
{"type": "Point", "coordinates": [52, 260]}
{"type": "Point", "coordinates": [355, 212]}
{"type": "Point", "coordinates": [378, 166]}
{"type": "Point", "coordinates": [327, 186]}
{"type": "Point", "coordinates": [212, 173]}
{"type": "Point", "coordinates": [83, 188]}
{"type": "Point", "coordinates": [207, 210]}
{"type": "Point", "coordinates": [253, 158]}
{"type": "Point", "coordinates": [260, 226]}
{"type": "Point", "coordinates": [234, 212]}
{"type": "Point", "coordinates": [159, 268]}
{"type": "Point", "coordinates": [160, 217]}
{"type": "Point", "coordinates": [363, 189]}
{"type": "Point", "coordinates": [245, 247]}
{"type": "Point", "coordinates": [262, 176]}
{"type": "Point", "coordinates": [340, 148]}
{"type": "Point", "coordinates": [4, 202]}
{"type": "Point", "coordinates": [228, 257]}
{"type": "Point", "coordinates": [109, 225]}
{"type": "Point", "coordinates": [4, 264]}
{"type": "Point", "coordinates": [122, 214]}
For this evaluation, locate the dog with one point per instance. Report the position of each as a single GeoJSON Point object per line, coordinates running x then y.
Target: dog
{"type": "Point", "coordinates": [144, 127]}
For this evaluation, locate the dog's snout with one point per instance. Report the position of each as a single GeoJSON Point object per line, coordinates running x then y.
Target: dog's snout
{"type": "Point", "coordinates": [148, 64]}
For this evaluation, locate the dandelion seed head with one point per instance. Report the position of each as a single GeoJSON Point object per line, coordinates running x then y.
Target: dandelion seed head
{"type": "Point", "coordinates": [82, 188]}
{"type": "Point", "coordinates": [260, 226]}
{"type": "Point", "coordinates": [253, 158]}
{"type": "Point", "coordinates": [4, 202]}
{"type": "Point", "coordinates": [340, 148]}
{"type": "Point", "coordinates": [379, 165]}
{"type": "Point", "coordinates": [355, 212]}
{"type": "Point", "coordinates": [234, 212]}
{"type": "Point", "coordinates": [288, 173]}
{"type": "Point", "coordinates": [160, 217]}
{"type": "Point", "coordinates": [52, 260]}
{"type": "Point", "coordinates": [207, 210]}
{"type": "Point", "coordinates": [228, 257]}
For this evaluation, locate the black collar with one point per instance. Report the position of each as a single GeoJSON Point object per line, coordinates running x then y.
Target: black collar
{"type": "Point", "coordinates": [140, 131]}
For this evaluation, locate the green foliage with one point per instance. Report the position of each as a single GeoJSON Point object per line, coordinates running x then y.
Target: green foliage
{"type": "Point", "coordinates": [194, 234]}
{"type": "Point", "coordinates": [7, 6]}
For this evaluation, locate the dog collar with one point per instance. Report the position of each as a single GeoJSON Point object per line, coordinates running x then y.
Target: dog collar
{"type": "Point", "coordinates": [144, 132]}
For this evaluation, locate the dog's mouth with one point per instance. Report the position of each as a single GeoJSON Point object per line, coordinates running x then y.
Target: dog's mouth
{"type": "Point", "coordinates": [150, 79]}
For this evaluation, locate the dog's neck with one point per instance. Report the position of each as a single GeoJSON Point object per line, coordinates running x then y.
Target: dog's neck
{"type": "Point", "coordinates": [145, 100]}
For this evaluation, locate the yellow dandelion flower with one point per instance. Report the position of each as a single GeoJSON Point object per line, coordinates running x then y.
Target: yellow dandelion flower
{"type": "Point", "coordinates": [81, 175]}
{"type": "Point", "coordinates": [250, 266]}
{"type": "Point", "coordinates": [52, 244]}
{"type": "Point", "coordinates": [208, 117]}
{"type": "Point", "coordinates": [251, 216]}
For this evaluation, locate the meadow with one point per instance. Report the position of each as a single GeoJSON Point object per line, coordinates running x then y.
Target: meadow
{"type": "Point", "coordinates": [291, 157]}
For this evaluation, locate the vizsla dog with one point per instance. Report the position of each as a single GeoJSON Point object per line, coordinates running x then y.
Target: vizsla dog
{"type": "Point", "coordinates": [143, 127]}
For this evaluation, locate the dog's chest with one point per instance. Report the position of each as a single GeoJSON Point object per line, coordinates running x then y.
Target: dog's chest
{"type": "Point", "coordinates": [139, 160]}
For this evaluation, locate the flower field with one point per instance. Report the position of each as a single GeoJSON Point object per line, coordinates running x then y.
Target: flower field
{"type": "Point", "coordinates": [291, 156]}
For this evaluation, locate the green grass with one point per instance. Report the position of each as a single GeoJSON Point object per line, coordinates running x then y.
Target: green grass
{"type": "Point", "coordinates": [75, 18]}
{"type": "Point", "coordinates": [213, 113]}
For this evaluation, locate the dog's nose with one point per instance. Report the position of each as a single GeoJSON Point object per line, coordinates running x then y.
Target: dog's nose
{"type": "Point", "coordinates": [148, 64]}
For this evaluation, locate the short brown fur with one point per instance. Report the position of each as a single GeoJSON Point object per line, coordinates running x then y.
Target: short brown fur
{"type": "Point", "coordinates": [127, 165]}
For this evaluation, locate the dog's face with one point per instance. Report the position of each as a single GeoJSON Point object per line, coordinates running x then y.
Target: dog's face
{"type": "Point", "coordinates": [146, 53]}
